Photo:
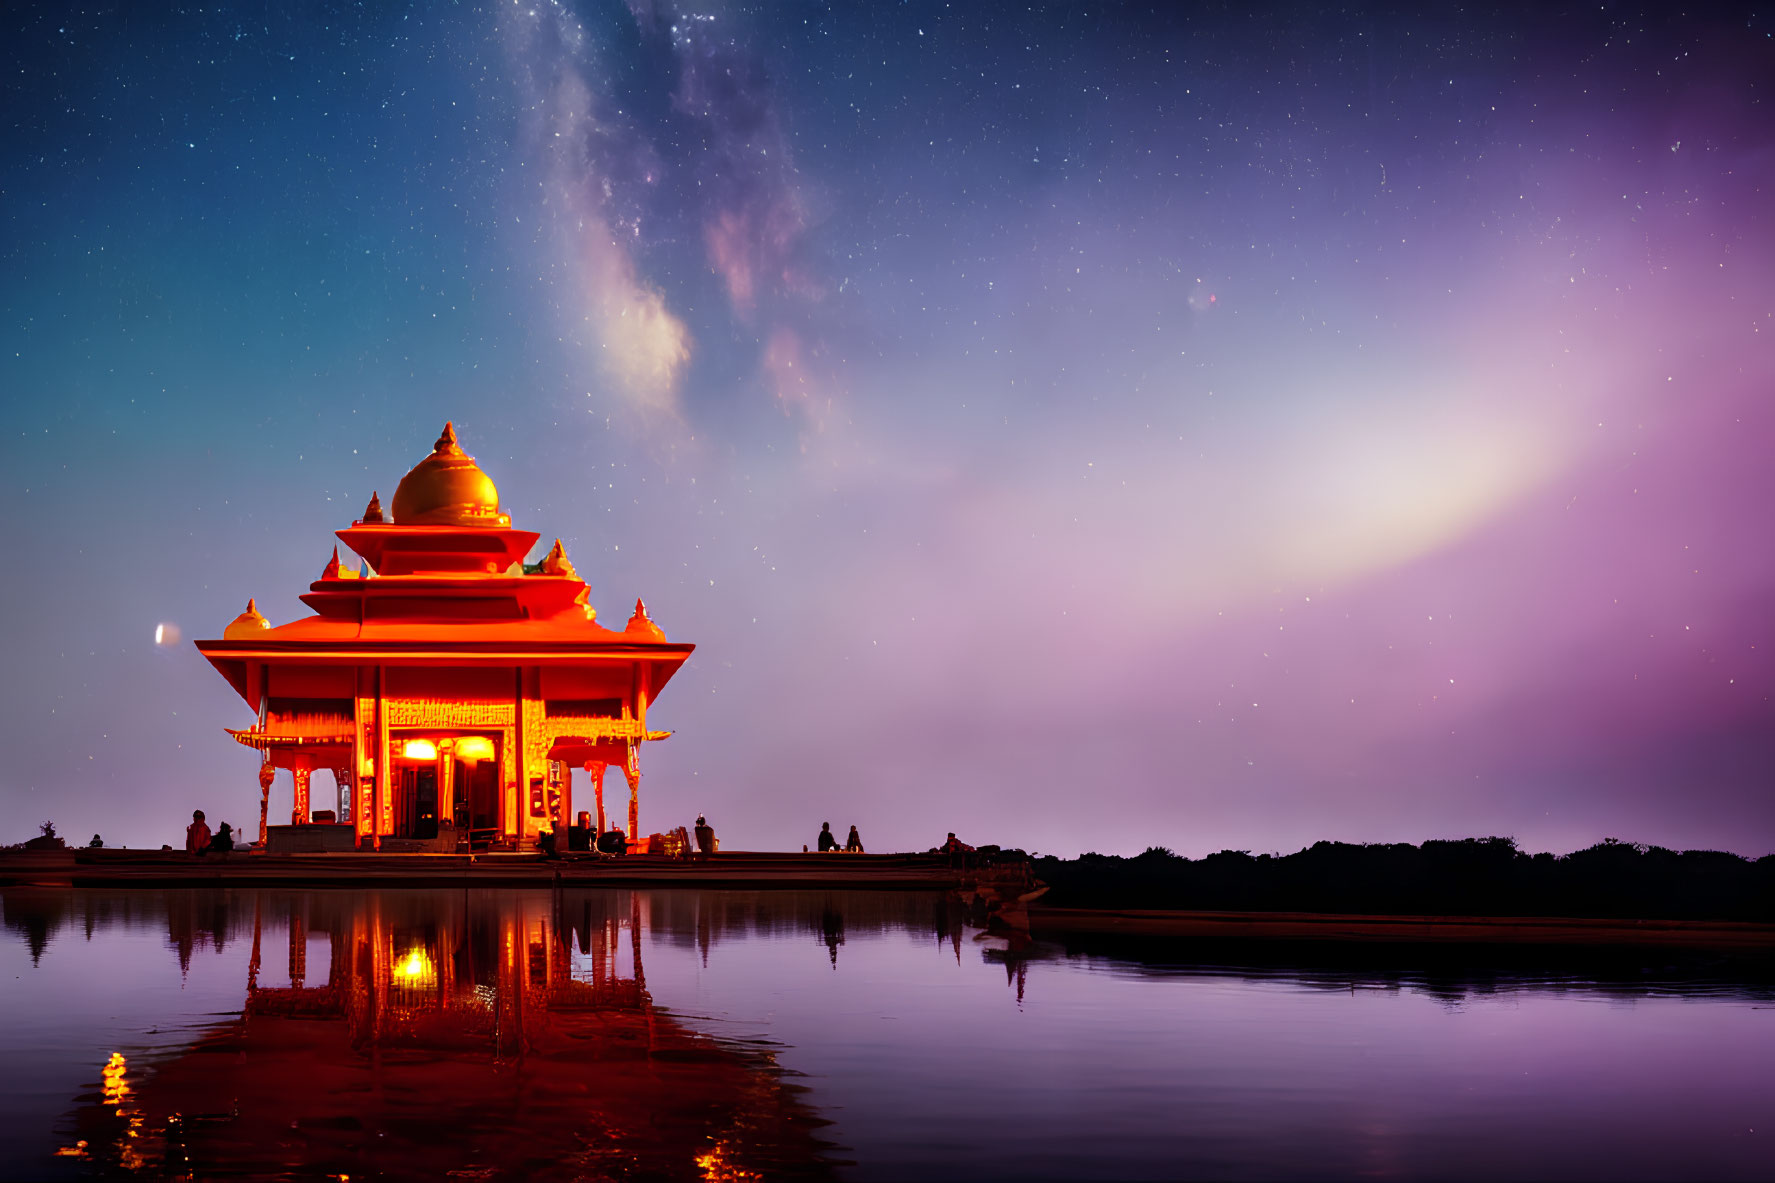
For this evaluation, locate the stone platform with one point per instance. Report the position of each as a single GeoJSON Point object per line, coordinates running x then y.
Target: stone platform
{"type": "Point", "coordinates": [120, 868]}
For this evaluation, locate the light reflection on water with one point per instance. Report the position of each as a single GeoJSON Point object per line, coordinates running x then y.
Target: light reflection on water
{"type": "Point", "coordinates": [708, 1035]}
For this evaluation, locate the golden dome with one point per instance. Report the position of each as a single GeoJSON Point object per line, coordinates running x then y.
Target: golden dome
{"type": "Point", "coordinates": [247, 625]}
{"type": "Point", "coordinates": [446, 489]}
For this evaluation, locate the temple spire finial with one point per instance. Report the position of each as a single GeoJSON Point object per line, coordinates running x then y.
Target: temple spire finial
{"type": "Point", "coordinates": [373, 511]}
{"type": "Point", "coordinates": [447, 445]}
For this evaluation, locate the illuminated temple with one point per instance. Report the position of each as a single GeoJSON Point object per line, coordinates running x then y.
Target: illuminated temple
{"type": "Point", "coordinates": [449, 688]}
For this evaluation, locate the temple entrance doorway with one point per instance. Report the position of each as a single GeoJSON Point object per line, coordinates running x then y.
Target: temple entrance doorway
{"type": "Point", "coordinates": [473, 769]}
{"type": "Point", "coordinates": [323, 790]}
{"type": "Point", "coordinates": [480, 802]}
{"type": "Point", "coordinates": [446, 785]}
{"type": "Point", "coordinates": [416, 803]}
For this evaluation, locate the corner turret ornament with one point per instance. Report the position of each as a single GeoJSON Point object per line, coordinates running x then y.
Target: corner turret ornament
{"type": "Point", "coordinates": [556, 562]}
{"type": "Point", "coordinates": [246, 624]}
{"type": "Point", "coordinates": [373, 512]}
{"type": "Point", "coordinates": [642, 625]}
{"type": "Point", "coordinates": [337, 570]}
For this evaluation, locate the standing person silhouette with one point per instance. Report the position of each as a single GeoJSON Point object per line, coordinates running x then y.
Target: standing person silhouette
{"type": "Point", "coordinates": [959, 852]}
{"type": "Point", "coordinates": [853, 844]}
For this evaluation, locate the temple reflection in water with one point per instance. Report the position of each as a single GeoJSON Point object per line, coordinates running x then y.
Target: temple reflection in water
{"type": "Point", "coordinates": [414, 1034]}
{"type": "Point", "coordinates": [440, 971]}
{"type": "Point", "coordinates": [460, 1034]}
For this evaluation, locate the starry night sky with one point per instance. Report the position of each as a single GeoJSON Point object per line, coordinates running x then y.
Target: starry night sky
{"type": "Point", "coordinates": [1080, 427]}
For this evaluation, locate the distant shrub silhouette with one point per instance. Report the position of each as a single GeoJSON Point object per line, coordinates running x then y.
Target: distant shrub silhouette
{"type": "Point", "coordinates": [46, 839]}
{"type": "Point", "coordinates": [1461, 877]}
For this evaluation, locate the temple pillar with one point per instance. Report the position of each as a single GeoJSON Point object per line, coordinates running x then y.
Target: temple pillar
{"type": "Point", "coordinates": [446, 774]}
{"type": "Point", "coordinates": [267, 774]}
{"type": "Point", "coordinates": [642, 691]}
{"type": "Point", "coordinates": [595, 770]}
{"type": "Point", "coordinates": [342, 807]}
{"type": "Point", "coordinates": [364, 760]}
{"type": "Point", "coordinates": [642, 686]}
{"type": "Point", "coordinates": [533, 748]}
{"type": "Point", "coordinates": [564, 806]}
{"type": "Point", "coordinates": [507, 808]}
{"type": "Point", "coordinates": [382, 792]}
{"type": "Point", "coordinates": [299, 814]}
{"type": "Point", "coordinates": [632, 772]}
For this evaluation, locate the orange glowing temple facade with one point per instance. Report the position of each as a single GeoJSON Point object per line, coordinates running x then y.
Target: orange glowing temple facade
{"type": "Point", "coordinates": [448, 688]}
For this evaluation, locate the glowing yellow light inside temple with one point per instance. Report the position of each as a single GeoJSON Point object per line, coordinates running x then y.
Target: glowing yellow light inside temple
{"type": "Point", "coordinates": [420, 749]}
{"type": "Point", "coordinates": [474, 747]}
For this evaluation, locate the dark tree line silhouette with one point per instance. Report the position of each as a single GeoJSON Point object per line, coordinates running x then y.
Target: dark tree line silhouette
{"type": "Point", "coordinates": [1464, 877]}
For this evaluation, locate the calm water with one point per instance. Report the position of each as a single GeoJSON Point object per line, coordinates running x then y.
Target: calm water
{"type": "Point", "coordinates": [737, 1036]}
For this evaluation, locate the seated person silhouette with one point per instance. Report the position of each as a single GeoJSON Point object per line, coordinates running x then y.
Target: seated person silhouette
{"type": "Point", "coordinates": [613, 841]}
{"type": "Point", "coordinates": [197, 834]}
{"type": "Point", "coordinates": [828, 840]}
{"type": "Point", "coordinates": [853, 844]}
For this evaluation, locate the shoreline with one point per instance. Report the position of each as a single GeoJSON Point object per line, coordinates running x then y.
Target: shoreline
{"type": "Point", "coordinates": [758, 870]}
{"type": "Point", "coordinates": [1402, 929]}
{"type": "Point", "coordinates": [742, 869]}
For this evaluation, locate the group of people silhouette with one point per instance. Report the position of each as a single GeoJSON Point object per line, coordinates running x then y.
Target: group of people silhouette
{"type": "Point", "coordinates": [200, 841]}
{"type": "Point", "coordinates": [614, 841]}
{"type": "Point", "coordinates": [829, 841]}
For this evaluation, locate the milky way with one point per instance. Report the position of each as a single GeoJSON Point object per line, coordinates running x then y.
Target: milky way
{"type": "Point", "coordinates": [1076, 428]}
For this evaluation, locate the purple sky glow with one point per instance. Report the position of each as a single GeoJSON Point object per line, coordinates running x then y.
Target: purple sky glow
{"type": "Point", "coordinates": [1076, 428]}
